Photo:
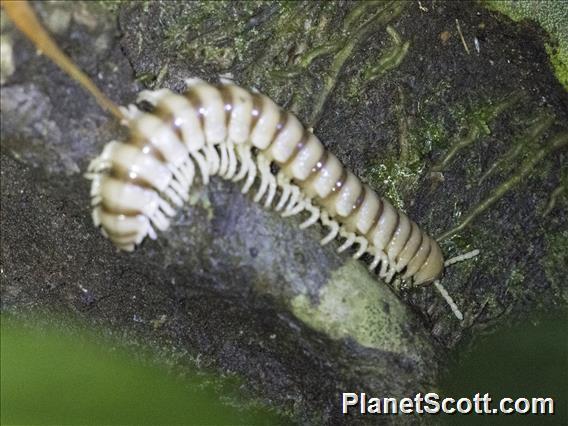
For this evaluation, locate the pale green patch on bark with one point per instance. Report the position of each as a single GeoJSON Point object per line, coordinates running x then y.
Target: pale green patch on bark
{"type": "Point", "coordinates": [361, 309]}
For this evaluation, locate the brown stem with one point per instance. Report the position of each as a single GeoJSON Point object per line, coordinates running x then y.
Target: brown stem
{"type": "Point", "coordinates": [23, 16]}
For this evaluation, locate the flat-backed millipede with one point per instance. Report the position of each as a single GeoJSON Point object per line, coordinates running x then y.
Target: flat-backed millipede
{"type": "Point", "coordinates": [238, 135]}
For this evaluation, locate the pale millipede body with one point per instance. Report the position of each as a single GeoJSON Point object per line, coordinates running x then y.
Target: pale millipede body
{"type": "Point", "coordinates": [239, 135]}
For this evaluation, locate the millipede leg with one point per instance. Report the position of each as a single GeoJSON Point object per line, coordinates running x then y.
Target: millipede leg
{"type": "Point", "coordinates": [202, 164]}
{"type": "Point", "coordinates": [385, 266]}
{"type": "Point", "coordinates": [376, 259]}
{"type": "Point", "coordinates": [212, 159]}
{"type": "Point", "coordinates": [232, 161]}
{"type": "Point", "coordinates": [129, 113]}
{"type": "Point", "coordinates": [297, 202]}
{"type": "Point", "coordinates": [243, 152]}
{"type": "Point", "coordinates": [283, 197]}
{"type": "Point", "coordinates": [180, 190]}
{"type": "Point", "coordinates": [173, 196]}
{"type": "Point", "coordinates": [164, 206]}
{"type": "Point", "coordinates": [298, 208]}
{"type": "Point", "coordinates": [150, 230]}
{"type": "Point", "coordinates": [272, 185]}
{"type": "Point", "coordinates": [96, 200]}
{"type": "Point", "coordinates": [188, 170]}
{"type": "Point", "coordinates": [96, 215]}
{"type": "Point", "coordinates": [250, 178]}
{"type": "Point", "coordinates": [97, 165]}
{"type": "Point", "coordinates": [224, 159]}
{"type": "Point", "coordinates": [350, 239]}
{"type": "Point", "coordinates": [295, 194]}
{"type": "Point", "coordinates": [283, 182]}
{"type": "Point", "coordinates": [363, 244]}
{"type": "Point", "coordinates": [96, 186]}
{"type": "Point", "coordinates": [178, 175]}
{"type": "Point", "coordinates": [248, 169]}
{"type": "Point", "coordinates": [159, 219]}
{"type": "Point", "coordinates": [334, 228]}
{"type": "Point", "coordinates": [390, 275]}
{"type": "Point", "coordinates": [315, 215]}
{"type": "Point", "coordinates": [264, 178]}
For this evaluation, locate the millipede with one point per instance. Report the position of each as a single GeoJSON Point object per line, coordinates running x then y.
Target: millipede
{"type": "Point", "coordinates": [243, 136]}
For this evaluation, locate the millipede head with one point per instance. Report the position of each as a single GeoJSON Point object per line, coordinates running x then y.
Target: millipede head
{"type": "Point", "coordinates": [432, 268]}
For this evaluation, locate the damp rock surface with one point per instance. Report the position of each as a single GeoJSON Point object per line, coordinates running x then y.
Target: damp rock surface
{"type": "Point", "coordinates": [452, 112]}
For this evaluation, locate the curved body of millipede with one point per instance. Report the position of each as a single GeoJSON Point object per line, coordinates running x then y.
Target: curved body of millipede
{"type": "Point", "coordinates": [228, 131]}
{"type": "Point", "coordinates": [239, 135]}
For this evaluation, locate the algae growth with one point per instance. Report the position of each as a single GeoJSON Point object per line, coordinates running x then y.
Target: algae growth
{"type": "Point", "coordinates": [356, 309]}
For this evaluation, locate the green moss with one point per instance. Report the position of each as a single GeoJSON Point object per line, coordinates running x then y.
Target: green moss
{"type": "Point", "coordinates": [552, 17]}
{"type": "Point", "coordinates": [481, 112]}
{"type": "Point", "coordinates": [354, 308]}
{"type": "Point", "coordinates": [555, 261]}
{"type": "Point", "coordinates": [431, 131]}
{"type": "Point", "coordinates": [430, 134]}
{"type": "Point", "coordinates": [516, 279]}
{"type": "Point", "coordinates": [111, 6]}
{"type": "Point", "coordinates": [195, 36]}
{"type": "Point", "coordinates": [395, 180]}
{"type": "Point", "coordinates": [474, 122]}
{"type": "Point", "coordinates": [399, 179]}
{"type": "Point", "coordinates": [458, 244]}
{"type": "Point", "coordinates": [559, 61]}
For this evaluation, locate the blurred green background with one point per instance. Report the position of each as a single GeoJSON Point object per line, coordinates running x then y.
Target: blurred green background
{"type": "Point", "coordinates": [49, 377]}
{"type": "Point", "coordinates": [527, 360]}
{"type": "Point", "coordinates": [52, 377]}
